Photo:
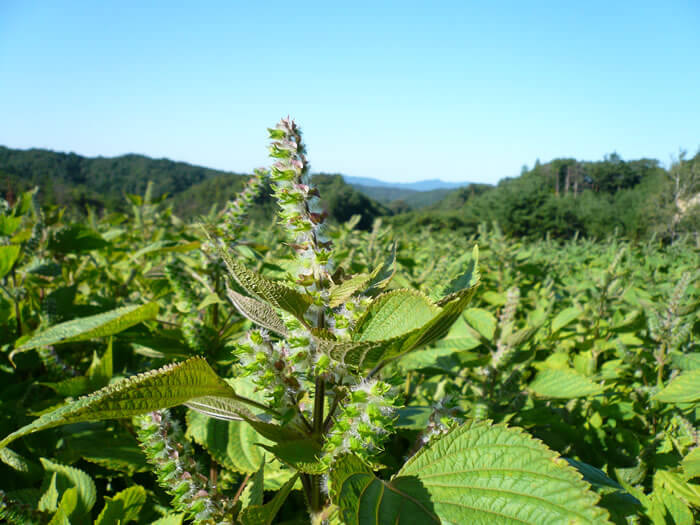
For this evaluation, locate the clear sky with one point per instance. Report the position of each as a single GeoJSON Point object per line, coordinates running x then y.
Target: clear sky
{"type": "Point", "coordinates": [401, 91]}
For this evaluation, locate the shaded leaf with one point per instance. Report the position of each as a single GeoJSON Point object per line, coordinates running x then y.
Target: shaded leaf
{"type": "Point", "coordinates": [563, 384]}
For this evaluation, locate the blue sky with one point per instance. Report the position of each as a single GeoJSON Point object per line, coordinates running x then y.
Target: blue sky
{"type": "Point", "coordinates": [401, 91]}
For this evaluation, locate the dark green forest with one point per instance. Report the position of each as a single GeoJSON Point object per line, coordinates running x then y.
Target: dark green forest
{"type": "Point", "coordinates": [562, 198]}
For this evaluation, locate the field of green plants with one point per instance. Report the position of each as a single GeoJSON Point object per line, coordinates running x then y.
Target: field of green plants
{"type": "Point", "coordinates": [157, 371]}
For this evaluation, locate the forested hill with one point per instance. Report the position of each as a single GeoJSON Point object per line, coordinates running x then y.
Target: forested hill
{"type": "Point", "coordinates": [76, 182]}
{"type": "Point", "coordinates": [568, 197]}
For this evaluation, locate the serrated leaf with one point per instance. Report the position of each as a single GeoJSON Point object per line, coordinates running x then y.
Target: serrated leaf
{"type": "Point", "coordinates": [484, 473]}
{"type": "Point", "coordinates": [482, 321]}
{"type": "Point", "coordinates": [382, 274]}
{"type": "Point", "coordinates": [364, 498]}
{"type": "Point", "coordinates": [563, 384]}
{"type": "Point", "coordinates": [276, 294]}
{"type": "Point", "coordinates": [691, 463]}
{"type": "Point", "coordinates": [265, 514]}
{"type": "Point", "coordinates": [260, 313]}
{"type": "Point", "coordinates": [163, 388]}
{"type": "Point", "coordinates": [365, 354]}
{"type": "Point", "coordinates": [170, 519]}
{"type": "Point", "coordinates": [8, 256]}
{"type": "Point", "coordinates": [123, 508]}
{"type": "Point", "coordinates": [66, 507]}
{"type": "Point", "coordinates": [20, 463]}
{"type": "Point", "coordinates": [679, 512]}
{"type": "Point", "coordinates": [300, 454]}
{"type": "Point", "coordinates": [339, 294]}
{"type": "Point", "coordinates": [683, 389]}
{"type": "Point", "coordinates": [100, 325]}
{"type": "Point", "coordinates": [565, 317]}
{"type": "Point", "coordinates": [468, 266]}
{"type": "Point", "coordinates": [255, 489]}
{"type": "Point", "coordinates": [393, 314]}
{"type": "Point", "coordinates": [64, 478]}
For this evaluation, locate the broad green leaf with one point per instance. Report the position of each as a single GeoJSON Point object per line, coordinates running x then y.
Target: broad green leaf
{"type": "Point", "coordinates": [679, 512]}
{"type": "Point", "coordinates": [8, 256]}
{"type": "Point", "coordinates": [482, 321]}
{"type": "Point", "coordinates": [235, 445]}
{"type": "Point", "coordinates": [76, 238]}
{"type": "Point", "coordinates": [382, 274]}
{"type": "Point", "coordinates": [365, 499]}
{"type": "Point", "coordinates": [170, 519]}
{"type": "Point", "coordinates": [9, 224]}
{"type": "Point", "coordinates": [123, 453]}
{"type": "Point", "coordinates": [563, 384]}
{"type": "Point", "coordinates": [20, 463]}
{"type": "Point", "coordinates": [484, 473]}
{"type": "Point", "coordinates": [691, 463]}
{"type": "Point", "coordinates": [276, 294]}
{"type": "Point", "coordinates": [66, 507]}
{"type": "Point", "coordinates": [565, 317]}
{"type": "Point", "coordinates": [92, 327]}
{"type": "Point", "coordinates": [468, 267]}
{"type": "Point", "coordinates": [163, 388]}
{"type": "Point", "coordinates": [64, 478]}
{"type": "Point", "coordinates": [683, 389]}
{"type": "Point", "coordinates": [255, 489]}
{"type": "Point", "coordinates": [123, 508]}
{"type": "Point", "coordinates": [260, 313]}
{"type": "Point", "coordinates": [685, 490]}
{"type": "Point", "coordinates": [301, 454]}
{"type": "Point", "coordinates": [340, 293]}
{"type": "Point", "coordinates": [393, 314]}
{"type": "Point", "coordinates": [265, 514]}
{"type": "Point", "coordinates": [365, 354]}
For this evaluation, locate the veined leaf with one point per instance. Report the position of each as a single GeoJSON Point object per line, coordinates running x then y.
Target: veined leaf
{"type": "Point", "coordinates": [276, 294]}
{"type": "Point", "coordinates": [8, 256]}
{"type": "Point", "coordinates": [482, 321]}
{"type": "Point", "coordinates": [563, 384]}
{"type": "Point", "coordinates": [393, 314]}
{"type": "Point", "coordinates": [468, 278]}
{"type": "Point", "coordinates": [163, 388]}
{"type": "Point", "coordinates": [565, 317]}
{"type": "Point", "coordinates": [100, 325]}
{"type": "Point", "coordinates": [340, 293]}
{"type": "Point", "coordinates": [367, 353]}
{"type": "Point", "coordinates": [123, 508]}
{"type": "Point", "coordinates": [255, 489]}
{"type": "Point", "coordinates": [683, 389]}
{"type": "Point", "coordinates": [64, 478]}
{"type": "Point", "coordinates": [382, 274]}
{"type": "Point", "coordinates": [484, 473]}
{"type": "Point", "coordinates": [364, 498]}
{"type": "Point", "coordinates": [258, 312]}
{"type": "Point", "coordinates": [265, 514]}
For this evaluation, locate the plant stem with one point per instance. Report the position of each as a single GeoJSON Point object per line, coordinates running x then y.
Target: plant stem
{"type": "Point", "coordinates": [316, 499]}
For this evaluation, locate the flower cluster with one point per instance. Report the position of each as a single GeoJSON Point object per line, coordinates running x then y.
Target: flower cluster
{"type": "Point", "coordinates": [444, 417]}
{"type": "Point", "coordinates": [192, 327]}
{"type": "Point", "coordinates": [300, 208]}
{"type": "Point", "coordinates": [237, 209]}
{"type": "Point", "coordinates": [364, 423]}
{"type": "Point", "coordinates": [169, 452]}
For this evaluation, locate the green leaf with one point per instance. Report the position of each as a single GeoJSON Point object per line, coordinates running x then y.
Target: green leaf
{"type": "Point", "coordinates": [95, 326]}
{"type": "Point", "coordinates": [300, 454]}
{"type": "Point", "coordinates": [8, 256]}
{"type": "Point", "coordinates": [484, 473]}
{"type": "Point", "coordinates": [276, 294]}
{"type": "Point", "coordinates": [76, 238]}
{"type": "Point", "coordinates": [66, 507]}
{"type": "Point", "coordinates": [9, 224]}
{"type": "Point", "coordinates": [482, 321]}
{"type": "Point", "coordinates": [683, 389]}
{"type": "Point", "coordinates": [365, 354]}
{"type": "Point", "coordinates": [123, 508]}
{"type": "Point", "coordinates": [340, 293]}
{"type": "Point", "coordinates": [64, 478]}
{"type": "Point", "coordinates": [393, 314]}
{"type": "Point", "coordinates": [258, 312]}
{"type": "Point", "coordinates": [265, 514]}
{"type": "Point", "coordinates": [382, 274]}
{"type": "Point", "coordinates": [255, 489]}
{"type": "Point", "coordinates": [563, 384]}
{"type": "Point", "coordinates": [565, 317]}
{"type": "Point", "coordinates": [170, 519]}
{"type": "Point", "coordinates": [468, 267]}
{"type": "Point", "coordinates": [364, 498]}
{"type": "Point", "coordinates": [20, 463]}
{"type": "Point", "coordinates": [164, 388]}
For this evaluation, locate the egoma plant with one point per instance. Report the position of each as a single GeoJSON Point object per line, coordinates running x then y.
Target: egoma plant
{"type": "Point", "coordinates": [318, 353]}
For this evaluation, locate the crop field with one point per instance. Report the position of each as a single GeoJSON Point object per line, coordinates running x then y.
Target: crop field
{"type": "Point", "coordinates": [224, 370]}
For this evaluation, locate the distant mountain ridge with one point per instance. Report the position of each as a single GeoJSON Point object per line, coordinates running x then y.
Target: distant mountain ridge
{"type": "Point", "coordinates": [421, 185]}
